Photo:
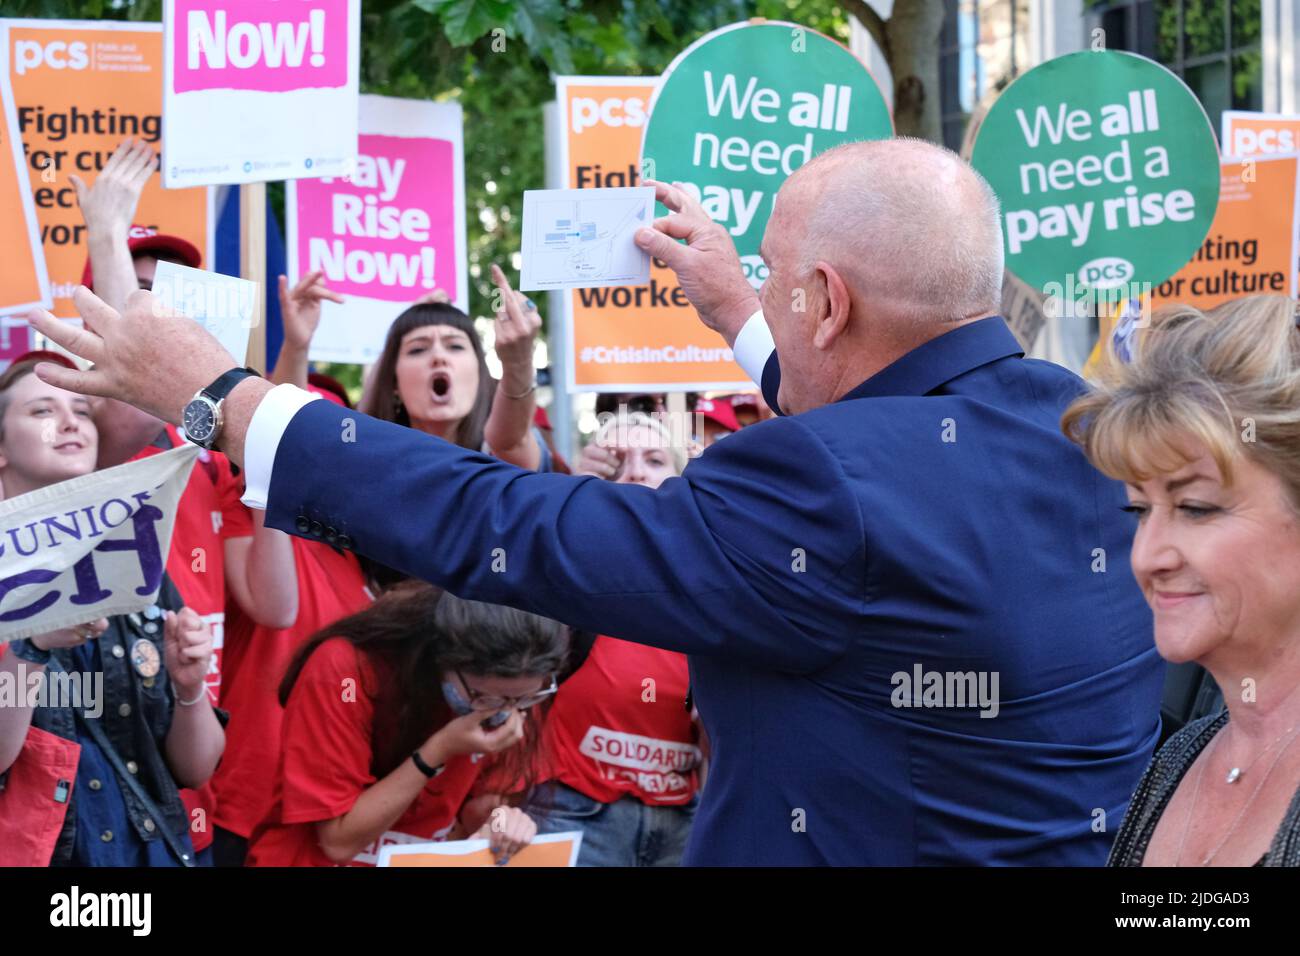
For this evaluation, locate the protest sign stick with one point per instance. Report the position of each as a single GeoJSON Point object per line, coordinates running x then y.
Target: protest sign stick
{"type": "Point", "coordinates": [252, 264]}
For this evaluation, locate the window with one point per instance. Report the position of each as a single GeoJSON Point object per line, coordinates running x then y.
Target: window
{"type": "Point", "coordinates": [982, 47]}
{"type": "Point", "coordinates": [1214, 45]}
{"type": "Point", "coordinates": [961, 73]}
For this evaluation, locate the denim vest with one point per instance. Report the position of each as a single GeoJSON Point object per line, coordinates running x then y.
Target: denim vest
{"type": "Point", "coordinates": [136, 716]}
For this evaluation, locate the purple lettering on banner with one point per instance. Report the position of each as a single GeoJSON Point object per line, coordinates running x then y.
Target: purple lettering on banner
{"type": "Point", "coordinates": [255, 45]}
{"type": "Point", "coordinates": [35, 576]}
{"type": "Point", "coordinates": [145, 543]}
{"type": "Point", "coordinates": [13, 536]}
{"type": "Point", "coordinates": [88, 587]}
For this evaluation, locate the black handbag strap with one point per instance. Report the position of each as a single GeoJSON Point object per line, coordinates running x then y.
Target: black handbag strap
{"type": "Point", "coordinates": [97, 734]}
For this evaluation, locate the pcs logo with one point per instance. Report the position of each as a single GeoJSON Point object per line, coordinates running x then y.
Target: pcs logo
{"type": "Point", "coordinates": [1108, 272]}
{"type": "Point", "coordinates": [57, 55]}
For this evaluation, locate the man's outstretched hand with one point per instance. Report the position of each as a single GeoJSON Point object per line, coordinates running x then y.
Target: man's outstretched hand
{"type": "Point", "coordinates": [707, 266]}
{"type": "Point", "coordinates": [147, 356]}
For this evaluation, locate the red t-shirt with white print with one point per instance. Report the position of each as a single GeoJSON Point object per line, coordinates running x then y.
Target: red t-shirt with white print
{"type": "Point", "coordinates": [326, 765]}
{"type": "Point", "coordinates": [209, 513]}
{"type": "Point", "coordinates": [619, 726]}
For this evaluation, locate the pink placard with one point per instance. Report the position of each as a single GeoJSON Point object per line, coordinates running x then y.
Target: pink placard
{"type": "Point", "coordinates": [268, 45]}
{"type": "Point", "coordinates": [388, 232]}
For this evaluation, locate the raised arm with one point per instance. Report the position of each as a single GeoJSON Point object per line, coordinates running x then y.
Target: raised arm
{"type": "Point", "coordinates": [509, 429]}
{"type": "Point", "coordinates": [719, 561]}
{"type": "Point", "coordinates": [751, 553]}
{"type": "Point", "coordinates": [300, 308]}
{"type": "Point", "coordinates": [108, 205]}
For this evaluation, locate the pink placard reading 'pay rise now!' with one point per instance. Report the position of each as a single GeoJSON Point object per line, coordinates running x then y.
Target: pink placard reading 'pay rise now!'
{"type": "Point", "coordinates": [388, 231]}
{"type": "Point", "coordinates": [267, 45]}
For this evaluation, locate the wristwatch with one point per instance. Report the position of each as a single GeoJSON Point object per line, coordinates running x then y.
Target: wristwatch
{"type": "Point", "coordinates": [202, 419]}
{"type": "Point", "coordinates": [25, 650]}
{"type": "Point", "coordinates": [424, 768]}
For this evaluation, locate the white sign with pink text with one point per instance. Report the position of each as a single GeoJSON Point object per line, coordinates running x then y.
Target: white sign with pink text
{"type": "Point", "coordinates": [390, 233]}
{"type": "Point", "coordinates": [258, 90]}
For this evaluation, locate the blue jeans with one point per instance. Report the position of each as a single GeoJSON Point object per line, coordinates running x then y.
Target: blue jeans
{"type": "Point", "coordinates": [626, 832]}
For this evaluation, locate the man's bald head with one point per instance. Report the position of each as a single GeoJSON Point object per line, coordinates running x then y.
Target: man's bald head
{"type": "Point", "coordinates": [907, 222]}
{"type": "Point", "coordinates": [873, 249]}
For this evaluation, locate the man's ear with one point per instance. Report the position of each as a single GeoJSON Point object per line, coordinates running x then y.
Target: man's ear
{"type": "Point", "coordinates": [832, 324]}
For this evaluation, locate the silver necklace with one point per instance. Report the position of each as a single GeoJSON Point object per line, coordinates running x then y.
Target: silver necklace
{"type": "Point", "coordinates": [1240, 813]}
{"type": "Point", "coordinates": [1236, 773]}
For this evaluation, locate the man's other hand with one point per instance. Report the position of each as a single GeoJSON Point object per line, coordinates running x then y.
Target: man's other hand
{"type": "Point", "coordinates": [707, 266]}
{"type": "Point", "coordinates": [148, 356]}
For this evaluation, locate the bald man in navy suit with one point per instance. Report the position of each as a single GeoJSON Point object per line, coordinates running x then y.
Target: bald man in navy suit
{"type": "Point", "coordinates": [913, 633]}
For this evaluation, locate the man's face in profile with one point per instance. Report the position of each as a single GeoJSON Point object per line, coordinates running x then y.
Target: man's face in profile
{"type": "Point", "coordinates": [789, 303]}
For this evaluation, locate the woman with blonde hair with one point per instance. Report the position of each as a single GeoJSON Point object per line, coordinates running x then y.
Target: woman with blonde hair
{"type": "Point", "coordinates": [623, 753]}
{"type": "Point", "coordinates": [1204, 429]}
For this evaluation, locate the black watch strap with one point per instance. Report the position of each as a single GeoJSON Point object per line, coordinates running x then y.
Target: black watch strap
{"type": "Point", "coordinates": [225, 384]}
{"type": "Point", "coordinates": [424, 768]}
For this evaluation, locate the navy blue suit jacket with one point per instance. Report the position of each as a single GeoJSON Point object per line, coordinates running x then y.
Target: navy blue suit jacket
{"type": "Point", "coordinates": [934, 521]}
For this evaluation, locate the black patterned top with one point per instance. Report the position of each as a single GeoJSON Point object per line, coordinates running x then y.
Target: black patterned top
{"type": "Point", "coordinates": [1158, 784]}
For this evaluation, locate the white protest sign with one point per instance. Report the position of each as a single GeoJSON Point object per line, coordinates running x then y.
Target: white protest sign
{"type": "Point", "coordinates": [224, 305]}
{"type": "Point", "coordinates": [388, 234]}
{"type": "Point", "coordinates": [90, 547]}
{"type": "Point", "coordinates": [582, 238]}
{"type": "Point", "coordinates": [255, 91]}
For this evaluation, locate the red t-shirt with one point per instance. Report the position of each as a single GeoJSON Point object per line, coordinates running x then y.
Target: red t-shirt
{"type": "Point", "coordinates": [611, 733]}
{"type": "Point", "coordinates": [325, 767]}
{"type": "Point", "coordinates": [208, 514]}
{"type": "Point", "coordinates": [330, 587]}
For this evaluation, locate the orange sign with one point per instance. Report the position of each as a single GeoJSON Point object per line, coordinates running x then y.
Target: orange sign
{"type": "Point", "coordinates": [1253, 134]}
{"type": "Point", "coordinates": [79, 88]}
{"type": "Point", "coordinates": [628, 338]}
{"type": "Point", "coordinates": [1251, 246]}
{"type": "Point", "coordinates": [23, 282]}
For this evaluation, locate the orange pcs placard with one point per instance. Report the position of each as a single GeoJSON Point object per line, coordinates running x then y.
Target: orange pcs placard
{"type": "Point", "coordinates": [79, 89]}
{"type": "Point", "coordinates": [23, 280]}
{"type": "Point", "coordinates": [1251, 246]}
{"type": "Point", "coordinates": [628, 338]}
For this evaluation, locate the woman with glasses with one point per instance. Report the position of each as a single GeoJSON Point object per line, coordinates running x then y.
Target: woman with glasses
{"type": "Point", "coordinates": [406, 723]}
{"type": "Point", "coordinates": [623, 753]}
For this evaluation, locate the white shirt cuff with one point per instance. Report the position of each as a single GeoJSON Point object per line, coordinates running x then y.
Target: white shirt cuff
{"type": "Point", "coordinates": [270, 420]}
{"type": "Point", "coordinates": [754, 346]}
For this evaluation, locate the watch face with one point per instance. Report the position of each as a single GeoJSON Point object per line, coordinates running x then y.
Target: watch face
{"type": "Point", "coordinates": [200, 420]}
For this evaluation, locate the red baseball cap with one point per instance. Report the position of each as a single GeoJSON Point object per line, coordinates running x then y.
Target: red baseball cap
{"type": "Point", "coordinates": [328, 387]}
{"type": "Point", "coordinates": [156, 244]}
{"type": "Point", "coordinates": [718, 411]}
{"type": "Point", "coordinates": [46, 355]}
